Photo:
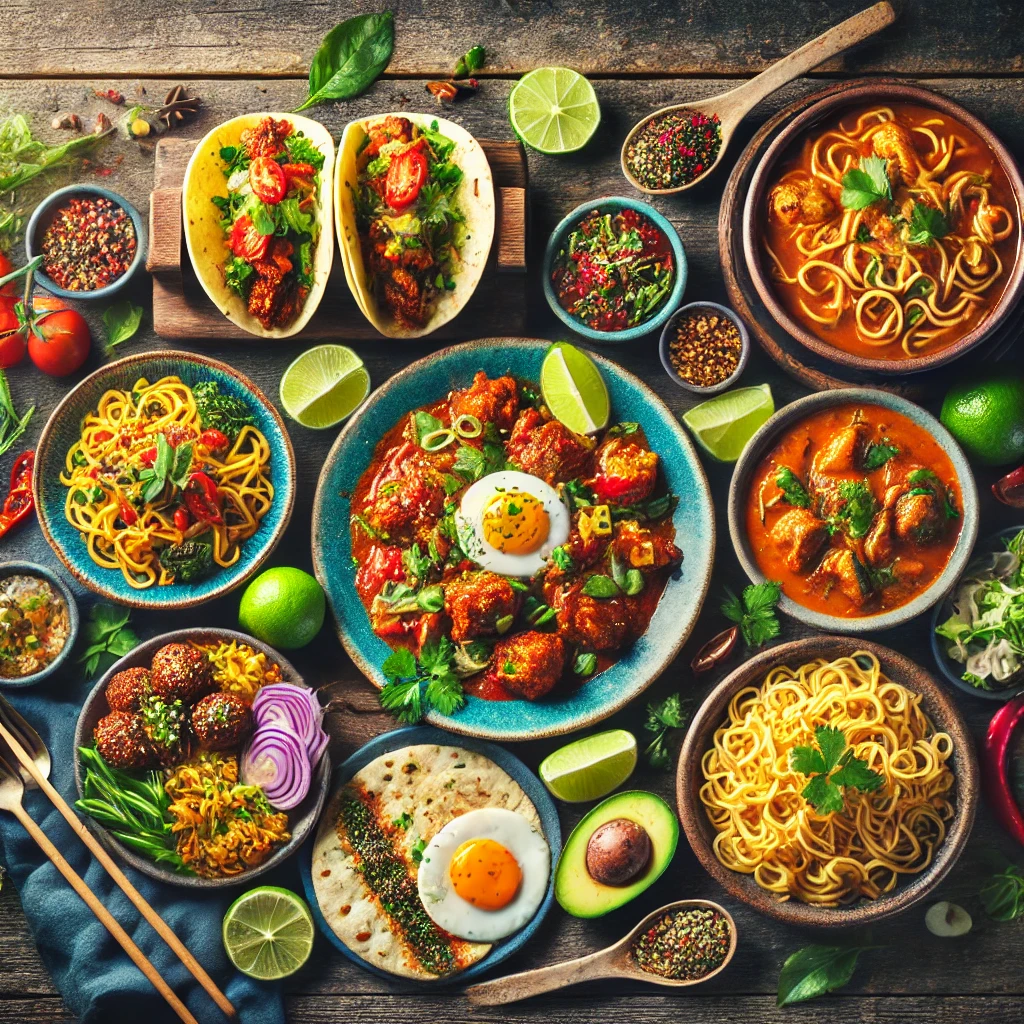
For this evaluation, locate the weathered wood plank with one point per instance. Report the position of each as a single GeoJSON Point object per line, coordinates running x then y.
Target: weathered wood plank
{"type": "Point", "coordinates": [604, 37]}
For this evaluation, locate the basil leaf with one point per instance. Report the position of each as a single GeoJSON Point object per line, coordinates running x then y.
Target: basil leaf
{"type": "Point", "coordinates": [814, 970]}
{"type": "Point", "coordinates": [600, 586]}
{"type": "Point", "coordinates": [182, 464]}
{"type": "Point", "coordinates": [350, 58]}
{"type": "Point", "coordinates": [121, 321]}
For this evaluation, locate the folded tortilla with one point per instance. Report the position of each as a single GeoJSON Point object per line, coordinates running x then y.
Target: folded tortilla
{"type": "Point", "coordinates": [206, 241]}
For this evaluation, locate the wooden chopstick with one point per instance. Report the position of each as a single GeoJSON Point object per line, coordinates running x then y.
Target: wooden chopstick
{"type": "Point", "coordinates": [159, 925]}
{"type": "Point", "coordinates": [104, 915]}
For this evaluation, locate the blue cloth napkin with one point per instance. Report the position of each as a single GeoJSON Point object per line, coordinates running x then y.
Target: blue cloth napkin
{"type": "Point", "coordinates": [97, 980]}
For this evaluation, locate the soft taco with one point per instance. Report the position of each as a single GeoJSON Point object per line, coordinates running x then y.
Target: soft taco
{"type": "Point", "coordinates": [414, 207]}
{"type": "Point", "coordinates": [257, 208]}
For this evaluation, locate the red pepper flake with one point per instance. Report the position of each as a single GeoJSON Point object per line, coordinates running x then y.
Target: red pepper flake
{"type": "Point", "coordinates": [89, 244]}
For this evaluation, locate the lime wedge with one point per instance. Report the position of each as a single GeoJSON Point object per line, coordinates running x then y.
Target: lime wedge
{"type": "Point", "coordinates": [590, 768]}
{"type": "Point", "coordinates": [724, 424]}
{"type": "Point", "coordinates": [554, 110]}
{"type": "Point", "coordinates": [268, 933]}
{"type": "Point", "coordinates": [324, 386]}
{"type": "Point", "coordinates": [573, 389]}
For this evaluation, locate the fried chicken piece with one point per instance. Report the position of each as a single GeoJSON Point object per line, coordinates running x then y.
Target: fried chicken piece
{"type": "Point", "coordinates": [529, 664]}
{"type": "Point", "coordinates": [405, 298]}
{"type": "Point", "coordinates": [799, 535]}
{"type": "Point", "coordinates": [273, 305]}
{"type": "Point", "coordinates": [895, 145]}
{"type": "Point", "coordinates": [842, 568]}
{"type": "Point", "coordinates": [489, 400]}
{"type": "Point", "coordinates": [801, 202]}
{"type": "Point", "coordinates": [637, 547]}
{"type": "Point", "coordinates": [598, 624]}
{"type": "Point", "coordinates": [547, 449]}
{"type": "Point", "coordinates": [477, 602]}
{"type": "Point", "coordinates": [391, 129]}
{"type": "Point", "coordinates": [878, 544]}
{"type": "Point", "coordinates": [626, 471]}
{"type": "Point", "coordinates": [918, 517]}
{"type": "Point", "coordinates": [267, 138]}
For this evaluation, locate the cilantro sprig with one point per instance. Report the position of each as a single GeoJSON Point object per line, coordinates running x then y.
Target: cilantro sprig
{"type": "Point", "coordinates": [754, 612]}
{"type": "Point", "coordinates": [672, 713]}
{"type": "Point", "coordinates": [414, 684]}
{"type": "Point", "coordinates": [865, 185]}
{"type": "Point", "coordinates": [831, 768]}
{"type": "Point", "coordinates": [107, 637]}
{"type": "Point", "coordinates": [878, 453]}
{"type": "Point", "coordinates": [793, 491]}
{"type": "Point", "coordinates": [926, 225]}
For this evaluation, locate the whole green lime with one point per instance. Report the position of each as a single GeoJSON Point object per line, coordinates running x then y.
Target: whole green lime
{"type": "Point", "coordinates": [987, 418]}
{"type": "Point", "coordinates": [283, 607]}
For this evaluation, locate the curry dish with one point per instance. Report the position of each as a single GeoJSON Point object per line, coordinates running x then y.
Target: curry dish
{"type": "Point", "coordinates": [890, 232]}
{"type": "Point", "coordinates": [539, 554]}
{"type": "Point", "coordinates": [856, 511]}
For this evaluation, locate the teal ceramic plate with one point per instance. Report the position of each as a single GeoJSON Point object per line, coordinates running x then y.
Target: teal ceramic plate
{"type": "Point", "coordinates": [63, 430]}
{"type": "Point", "coordinates": [508, 763]}
{"type": "Point", "coordinates": [631, 399]}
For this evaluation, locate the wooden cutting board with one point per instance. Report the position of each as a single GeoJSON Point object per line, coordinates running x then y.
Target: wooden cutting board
{"type": "Point", "coordinates": [181, 308]}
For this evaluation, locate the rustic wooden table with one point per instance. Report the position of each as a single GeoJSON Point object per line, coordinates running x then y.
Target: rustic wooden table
{"type": "Point", "coordinates": [253, 55]}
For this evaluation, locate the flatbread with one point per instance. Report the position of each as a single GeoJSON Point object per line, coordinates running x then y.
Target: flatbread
{"type": "Point", "coordinates": [430, 784]}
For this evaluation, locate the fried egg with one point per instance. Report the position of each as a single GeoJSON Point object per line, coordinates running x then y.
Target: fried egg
{"type": "Point", "coordinates": [484, 875]}
{"type": "Point", "coordinates": [510, 522]}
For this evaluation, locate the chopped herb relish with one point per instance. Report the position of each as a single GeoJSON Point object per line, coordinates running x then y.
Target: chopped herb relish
{"type": "Point", "coordinates": [387, 875]}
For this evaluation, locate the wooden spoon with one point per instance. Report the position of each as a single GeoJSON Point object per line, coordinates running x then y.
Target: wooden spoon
{"type": "Point", "coordinates": [731, 107]}
{"type": "Point", "coordinates": [614, 962]}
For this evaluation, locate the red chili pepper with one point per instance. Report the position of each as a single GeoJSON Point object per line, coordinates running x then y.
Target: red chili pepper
{"type": "Point", "coordinates": [996, 761]}
{"type": "Point", "coordinates": [214, 439]}
{"type": "Point", "coordinates": [148, 457]}
{"type": "Point", "coordinates": [182, 519]}
{"type": "Point", "coordinates": [19, 502]}
{"type": "Point", "coordinates": [202, 499]}
{"type": "Point", "coordinates": [128, 514]}
{"type": "Point", "coordinates": [1009, 489]}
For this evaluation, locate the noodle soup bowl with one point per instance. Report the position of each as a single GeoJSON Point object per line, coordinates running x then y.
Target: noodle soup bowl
{"type": "Point", "coordinates": [63, 429]}
{"type": "Point", "coordinates": [940, 708]}
{"type": "Point", "coordinates": [759, 265]}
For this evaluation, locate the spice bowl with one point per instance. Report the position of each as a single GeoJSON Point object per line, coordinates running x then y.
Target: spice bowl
{"type": "Point", "coordinates": [709, 312]}
{"type": "Point", "coordinates": [615, 205]}
{"type": "Point", "coordinates": [43, 217]}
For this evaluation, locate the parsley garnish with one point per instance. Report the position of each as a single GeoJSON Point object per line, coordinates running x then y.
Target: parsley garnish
{"type": "Point", "coordinates": [879, 453]}
{"type": "Point", "coordinates": [856, 511]}
{"type": "Point", "coordinates": [754, 613]}
{"type": "Point", "coordinates": [431, 679]}
{"type": "Point", "coordinates": [865, 185]}
{"type": "Point", "coordinates": [831, 768]}
{"type": "Point", "coordinates": [926, 225]}
{"type": "Point", "coordinates": [672, 713]}
{"type": "Point", "coordinates": [473, 463]}
{"type": "Point", "coordinates": [417, 850]}
{"type": "Point", "coordinates": [793, 491]}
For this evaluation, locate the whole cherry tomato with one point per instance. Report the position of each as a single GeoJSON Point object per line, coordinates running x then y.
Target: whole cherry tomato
{"type": "Point", "coordinates": [215, 440]}
{"type": "Point", "coordinates": [405, 178]}
{"type": "Point", "coordinates": [182, 519]}
{"type": "Point", "coordinates": [267, 179]}
{"type": "Point", "coordinates": [12, 348]}
{"type": "Point", "coordinates": [59, 342]}
{"type": "Point", "coordinates": [12, 288]}
{"type": "Point", "coordinates": [246, 242]}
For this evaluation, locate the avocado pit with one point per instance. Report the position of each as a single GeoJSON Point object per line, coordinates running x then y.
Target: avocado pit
{"type": "Point", "coordinates": [618, 852]}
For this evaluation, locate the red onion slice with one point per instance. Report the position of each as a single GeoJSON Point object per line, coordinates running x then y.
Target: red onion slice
{"type": "Point", "coordinates": [276, 760]}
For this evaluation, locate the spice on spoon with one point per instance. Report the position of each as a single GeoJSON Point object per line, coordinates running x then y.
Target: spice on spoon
{"type": "Point", "coordinates": [706, 349]}
{"type": "Point", "coordinates": [684, 944]}
{"type": "Point", "coordinates": [673, 149]}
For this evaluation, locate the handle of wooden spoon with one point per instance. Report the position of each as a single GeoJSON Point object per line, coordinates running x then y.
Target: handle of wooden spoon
{"type": "Point", "coordinates": [841, 37]}
{"type": "Point", "coordinates": [544, 979]}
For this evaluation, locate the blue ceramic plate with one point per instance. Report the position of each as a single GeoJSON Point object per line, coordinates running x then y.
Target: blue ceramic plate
{"type": "Point", "coordinates": [62, 430]}
{"type": "Point", "coordinates": [631, 399]}
{"type": "Point", "coordinates": [508, 763]}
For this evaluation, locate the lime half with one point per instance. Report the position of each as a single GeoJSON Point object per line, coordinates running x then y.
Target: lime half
{"type": "Point", "coordinates": [268, 933]}
{"type": "Point", "coordinates": [724, 424]}
{"type": "Point", "coordinates": [573, 389]}
{"type": "Point", "coordinates": [554, 110]}
{"type": "Point", "coordinates": [590, 768]}
{"type": "Point", "coordinates": [324, 386]}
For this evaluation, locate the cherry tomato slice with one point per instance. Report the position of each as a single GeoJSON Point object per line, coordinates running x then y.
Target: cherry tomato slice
{"type": "Point", "coordinates": [246, 242]}
{"type": "Point", "coordinates": [405, 178]}
{"type": "Point", "coordinates": [267, 179]}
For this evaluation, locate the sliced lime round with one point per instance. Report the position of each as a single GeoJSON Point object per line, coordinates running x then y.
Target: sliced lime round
{"type": "Point", "coordinates": [724, 424]}
{"type": "Point", "coordinates": [590, 768]}
{"type": "Point", "coordinates": [268, 933]}
{"type": "Point", "coordinates": [554, 110]}
{"type": "Point", "coordinates": [324, 386]}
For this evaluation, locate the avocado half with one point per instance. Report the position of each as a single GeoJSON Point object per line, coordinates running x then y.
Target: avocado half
{"type": "Point", "coordinates": [576, 891]}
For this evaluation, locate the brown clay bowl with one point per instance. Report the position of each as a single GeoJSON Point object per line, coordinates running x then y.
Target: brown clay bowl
{"type": "Point", "coordinates": [941, 709]}
{"type": "Point", "coordinates": [859, 94]}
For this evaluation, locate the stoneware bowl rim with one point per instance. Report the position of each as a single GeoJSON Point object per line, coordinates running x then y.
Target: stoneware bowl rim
{"type": "Point", "coordinates": [92, 576]}
{"type": "Point", "coordinates": [941, 708]}
{"type": "Point", "coordinates": [665, 341]}
{"type": "Point", "coordinates": [42, 213]}
{"type": "Point", "coordinates": [509, 763]}
{"type": "Point", "coordinates": [94, 708]}
{"type": "Point", "coordinates": [35, 569]}
{"type": "Point", "coordinates": [663, 224]}
{"type": "Point", "coordinates": [758, 445]}
{"type": "Point", "coordinates": [651, 660]}
{"type": "Point", "coordinates": [858, 93]}
{"type": "Point", "coordinates": [942, 611]}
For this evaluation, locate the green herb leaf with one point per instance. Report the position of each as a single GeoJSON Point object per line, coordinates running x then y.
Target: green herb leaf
{"type": "Point", "coordinates": [865, 185]}
{"type": "Point", "coordinates": [878, 453]}
{"type": "Point", "coordinates": [793, 491]}
{"type": "Point", "coordinates": [350, 58]}
{"type": "Point", "coordinates": [672, 713]}
{"type": "Point", "coordinates": [472, 60]}
{"type": "Point", "coordinates": [600, 587]}
{"type": "Point", "coordinates": [1003, 895]}
{"type": "Point", "coordinates": [754, 613]}
{"type": "Point", "coordinates": [858, 508]}
{"type": "Point", "coordinates": [12, 426]}
{"type": "Point", "coordinates": [824, 791]}
{"type": "Point", "coordinates": [399, 664]}
{"type": "Point", "coordinates": [121, 321]}
{"type": "Point", "coordinates": [926, 225]}
{"type": "Point", "coordinates": [24, 157]}
{"type": "Point", "coordinates": [107, 636]}
{"type": "Point", "coordinates": [815, 970]}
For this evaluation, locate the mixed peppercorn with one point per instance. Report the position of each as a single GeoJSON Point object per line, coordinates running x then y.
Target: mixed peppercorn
{"type": "Point", "coordinates": [685, 944]}
{"type": "Point", "coordinates": [705, 349]}
{"type": "Point", "coordinates": [89, 245]}
{"type": "Point", "coordinates": [674, 149]}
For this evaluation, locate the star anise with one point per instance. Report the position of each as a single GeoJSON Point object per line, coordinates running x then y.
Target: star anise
{"type": "Point", "coordinates": [178, 106]}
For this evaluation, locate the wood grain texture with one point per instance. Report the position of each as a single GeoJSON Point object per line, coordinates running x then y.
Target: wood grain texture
{"type": "Point", "coordinates": [695, 37]}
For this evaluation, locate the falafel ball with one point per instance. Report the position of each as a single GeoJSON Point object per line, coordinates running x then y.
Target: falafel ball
{"type": "Point", "coordinates": [128, 689]}
{"type": "Point", "coordinates": [122, 742]}
{"type": "Point", "coordinates": [181, 672]}
{"type": "Point", "coordinates": [221, 721]}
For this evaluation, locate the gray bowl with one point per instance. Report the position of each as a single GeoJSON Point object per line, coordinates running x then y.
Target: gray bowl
{"type": "Point", "coordinates": [300, 820]}
{"type": "Point", "coordinates": [666, 340]}
{"type": "Point", "coordinates": [32, 569]}
{"type": "Point", "coordinates": [759, 444]}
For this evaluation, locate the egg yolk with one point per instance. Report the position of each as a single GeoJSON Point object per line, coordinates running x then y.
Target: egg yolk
{"type": "Point", "coordinates": [485, 874]}
{"type": "Point", "coordinates": [515, 522]}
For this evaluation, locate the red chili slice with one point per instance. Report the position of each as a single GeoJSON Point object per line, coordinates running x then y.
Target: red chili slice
{"type": "Point", "coordinates": [1010, 488]}
{"type": "Point", "coordinates": [267, 179]}
{"type": "Point", "coordinates": [406, 175]}
{"type": "Point", "coordinates": [203, 499]}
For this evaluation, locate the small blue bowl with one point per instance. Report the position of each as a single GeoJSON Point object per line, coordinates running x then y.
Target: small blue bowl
{"type": "Point", "coordinates": [613, 204]}
{"type": "Point", "coordinates": [509, 763]}
{"type": "Point", "coordinates": [666, 340]}
{"type": "Point", "coordinates": [40, 571]}
{"type": "Point", "coordinates": [947, 666]}
{"type": "Point", "coordinates": [43, 216]}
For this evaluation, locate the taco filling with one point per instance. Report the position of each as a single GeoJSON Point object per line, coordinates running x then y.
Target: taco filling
{"type": "Point", "coordinates": [410, 226]}
{"type": "Point", "coordinates": [270, 219]}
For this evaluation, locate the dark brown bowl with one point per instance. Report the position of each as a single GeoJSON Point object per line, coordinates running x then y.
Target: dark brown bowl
{"type": "Point", "coordinates": [300, 820]}
{"type": "Point", "coordinates": [941, 709]}
{"type": "Point", "coordinates": [857, 94]}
